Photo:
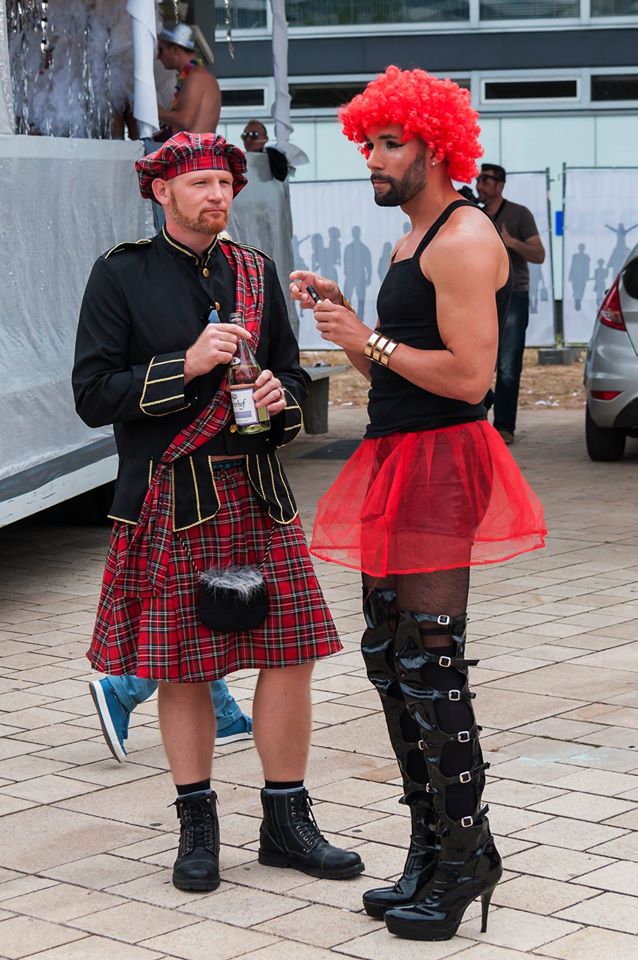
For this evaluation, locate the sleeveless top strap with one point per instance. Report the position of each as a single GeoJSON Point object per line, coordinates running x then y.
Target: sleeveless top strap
{"type": "Point", "coordinates": [438, 223]}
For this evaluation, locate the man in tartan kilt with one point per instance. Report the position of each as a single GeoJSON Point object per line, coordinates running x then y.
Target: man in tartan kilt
{"type": "Point", "coordinates": [193, 494]}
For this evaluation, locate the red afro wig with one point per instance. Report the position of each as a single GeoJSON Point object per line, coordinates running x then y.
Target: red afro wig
{"type": "Point", "coordinates": [438, 112]}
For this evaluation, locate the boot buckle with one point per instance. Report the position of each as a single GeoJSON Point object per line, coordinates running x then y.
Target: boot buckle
{"type": "Point", "coordinates": [465, 777]}
{"type": "Point", "coordinates": [445, 661]}
{"type": "Point", "coordinates": [463, 736]}
{"type": "Point", "coordinates": [454, 695]}
{"type": "Point", "coordinates": [443, 620]}
{"type": "Point", "coordinates": [467, 821]}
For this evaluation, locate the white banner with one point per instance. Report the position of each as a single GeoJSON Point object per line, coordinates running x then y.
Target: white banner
{"type": "Point", "coordinates": [601, 228]}
{"type": "Point", "coordinates": [530, 189]}
{"type": "Point", "coordinates": [341, 233]}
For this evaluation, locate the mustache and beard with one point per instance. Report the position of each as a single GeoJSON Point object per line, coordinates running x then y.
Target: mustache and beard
{"type": "Point", "coordinates": [403, 190]}
{"type": "Point", "coordinates": [207, 222]}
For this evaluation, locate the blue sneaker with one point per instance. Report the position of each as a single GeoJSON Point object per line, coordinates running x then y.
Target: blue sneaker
{"type": "Point", "coordinates": [113, 717]}
{"type": "Point", "coordinates": [240, 729]}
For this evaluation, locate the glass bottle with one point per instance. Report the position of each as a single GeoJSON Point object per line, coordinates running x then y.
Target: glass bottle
{"type": "Point", "coordinates": [242, 374]}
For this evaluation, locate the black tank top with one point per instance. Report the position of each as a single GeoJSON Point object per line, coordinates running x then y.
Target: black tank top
{"type": "Point", "coordinates": [406, 307]}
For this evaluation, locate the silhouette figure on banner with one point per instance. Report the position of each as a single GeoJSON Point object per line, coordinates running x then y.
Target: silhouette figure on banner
{"type": "Point", "coordinates": [579, 274]}
{"type": "Point", "coordinates": [322, 258]}
{"type": "Point", "coordinates": [357, 269]}
{"type": "Point", "coordinates": [621, 251]}
{"type": "Point", "coordinates": [297, 255]}
{"type": "Point", "coordinates": [537, 288]}
{"type": "Point", "coordinates": [600, 280]}
{"type": "Point", "coordinates": [334, 245]}
{"type": "Point", "coordinates": [384, 261]}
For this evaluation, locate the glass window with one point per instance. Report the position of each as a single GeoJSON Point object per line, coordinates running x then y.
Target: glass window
{"type": "Point", "coordinates": [500, 90]}
{"type": "Point", "coordinates": [528, 9]}
{"type": "Point", "coordinates": [310, 96]}
{"type": "Point", "coordinates": [614, 8]}
{"type": "Point", "coordinates": [308, 13]}
{"type": "Point", "coordinates": [614, 86]}
{"type": "Point", "coordinates": [243, 97]}
{"type": "Point", "coordinates": [247, 14]}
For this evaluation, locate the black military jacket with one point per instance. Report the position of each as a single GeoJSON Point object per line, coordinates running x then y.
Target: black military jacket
{"type": "Point", "coordinates": [145, 303]}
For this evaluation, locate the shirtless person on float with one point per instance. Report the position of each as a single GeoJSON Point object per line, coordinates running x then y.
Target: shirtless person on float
{"type": "Point", "coordinates": [197, 99]}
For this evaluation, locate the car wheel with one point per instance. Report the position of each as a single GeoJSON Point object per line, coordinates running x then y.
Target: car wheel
{"type": "Point", "coordinates": [603, 443]}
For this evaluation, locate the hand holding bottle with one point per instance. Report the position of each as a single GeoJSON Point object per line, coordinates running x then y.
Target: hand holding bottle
{"type": "Point", "coordinates": [216, 344]}
{"type": "Point", "coordinates": [269, 393]}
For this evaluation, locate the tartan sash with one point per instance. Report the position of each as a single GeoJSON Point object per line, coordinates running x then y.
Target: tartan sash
{"type": "Point", "coordinates": [149, 549]}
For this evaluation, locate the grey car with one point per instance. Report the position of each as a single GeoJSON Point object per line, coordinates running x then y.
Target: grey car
{"type": "Point", "coordinates": [611, 368]}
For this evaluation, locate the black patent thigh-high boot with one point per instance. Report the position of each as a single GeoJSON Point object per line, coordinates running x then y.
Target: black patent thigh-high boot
{"type": "Point", "coordinates": [435, 687]}
{"type": "Point", "coordinates": [377, 647]}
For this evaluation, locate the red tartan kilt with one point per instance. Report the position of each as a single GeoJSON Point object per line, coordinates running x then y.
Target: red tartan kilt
{"type": "Point", "coordinates": [161, 637]}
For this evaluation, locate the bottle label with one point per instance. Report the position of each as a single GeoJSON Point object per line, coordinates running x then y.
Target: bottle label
{"type": "Point", "coordinates": [244, 408]}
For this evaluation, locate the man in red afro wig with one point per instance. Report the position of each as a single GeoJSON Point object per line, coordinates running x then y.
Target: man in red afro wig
{"type": "Point", "coordinates": [438, 112]}
{"type": "Point", "coordinates": [432, 490]}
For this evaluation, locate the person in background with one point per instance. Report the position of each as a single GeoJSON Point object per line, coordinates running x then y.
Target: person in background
{"type": "Point", "coordinates": [197, 99]}
{"type": "Point", "coordinates": [116, 698]}
{"type": "Point", "coordinates": [255, 138]}
{"type": "Point", "coordinates": [519, 233]}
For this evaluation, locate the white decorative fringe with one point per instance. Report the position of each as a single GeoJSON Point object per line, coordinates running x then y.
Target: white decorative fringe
{"type": "Point", "coordinates": [246, 582]}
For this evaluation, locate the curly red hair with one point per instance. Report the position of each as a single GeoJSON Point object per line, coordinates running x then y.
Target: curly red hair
{"type": "Point", "coordinates": [438, 112]}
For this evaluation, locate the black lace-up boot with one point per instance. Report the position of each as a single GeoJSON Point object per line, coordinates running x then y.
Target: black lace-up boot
{"type": "Point", "coordinates": [197, 864]}
{"type": "Point", "coordinates": [289, 837]}
{"type": "Point", "coordinates": [377, 646]}
{"type": "Point", "coordinates": [435, 688]}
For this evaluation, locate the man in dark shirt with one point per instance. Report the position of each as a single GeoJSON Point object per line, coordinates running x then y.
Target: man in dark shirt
{"type": "Point", "coordinates": [196, 500]}
{"type": "Point", "coordinates": [520, 236]}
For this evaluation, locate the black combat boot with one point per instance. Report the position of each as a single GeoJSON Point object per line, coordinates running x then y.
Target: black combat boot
{"type": "Point", "coordinates": [435, 688]}
{"type": "Point", "coordinates": [289, 837]}
{"type": "Point", "coordinates": [377, 646]}
{"type": "Point", "coordinates": [197, 864]}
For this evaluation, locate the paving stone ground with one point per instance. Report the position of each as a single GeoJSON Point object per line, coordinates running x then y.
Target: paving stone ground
{"type": "Point", "coordinates": [86, 844]}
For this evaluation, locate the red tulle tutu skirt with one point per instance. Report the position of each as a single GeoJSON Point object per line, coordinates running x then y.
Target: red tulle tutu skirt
{"type": "Point", "coordinates": [425, 501]}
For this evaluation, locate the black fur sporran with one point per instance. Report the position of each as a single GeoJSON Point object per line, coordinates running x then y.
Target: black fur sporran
{"type": "Point", "coordinates": [232, 599]}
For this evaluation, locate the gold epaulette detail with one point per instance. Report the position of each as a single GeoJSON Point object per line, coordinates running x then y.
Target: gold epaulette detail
{"type": "Point", "coordinates": [127, 245]}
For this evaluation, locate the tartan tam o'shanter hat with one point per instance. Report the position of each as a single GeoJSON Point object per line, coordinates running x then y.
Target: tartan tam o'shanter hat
{"type": "Point", "coordinates": [186, 153]}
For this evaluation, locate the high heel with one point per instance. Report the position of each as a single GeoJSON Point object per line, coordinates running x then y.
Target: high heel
{"type": "Point", "coordinates": [462, 876]}
{"type": "Point", "coordinates": [485, 906]}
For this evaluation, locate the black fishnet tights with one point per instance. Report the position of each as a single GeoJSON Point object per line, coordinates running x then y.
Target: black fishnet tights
{"type": "Point", "coordinates": [441, 592]}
